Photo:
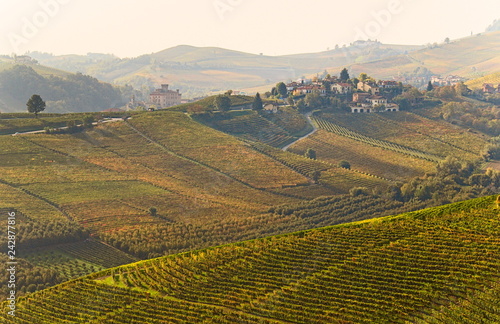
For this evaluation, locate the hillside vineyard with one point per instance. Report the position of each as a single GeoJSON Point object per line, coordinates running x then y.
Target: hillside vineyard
{"type": "Point", "coordinates": [438, 265]}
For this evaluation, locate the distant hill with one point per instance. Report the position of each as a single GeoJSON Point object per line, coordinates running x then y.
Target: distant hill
{"type": "Point", "coordinates": [62, 91]}
{"type": "Point", "coordinates": [437, 265]}
{"type": "Point", "coordinates": [469, 57]}
{"type": "Point", "coordinates": [202, 70]}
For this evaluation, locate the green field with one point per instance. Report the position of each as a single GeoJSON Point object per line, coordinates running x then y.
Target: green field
{"type": "Point", "coordinates": [435, 265]}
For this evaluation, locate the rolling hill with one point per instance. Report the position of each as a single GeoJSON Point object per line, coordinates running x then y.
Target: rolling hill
{"type": "Point", "coordinates": [165, 182]}
{"type": "Point", "coordinates": [62, 91]}
{"type": "Point", "coordinates": [438, 265]}
{"type": "Point", "coordinates": [202, 70]}
{"type": "Point", "coordinates": [97, 189]}
{"type": "Point", "coordinates": [469, 57]}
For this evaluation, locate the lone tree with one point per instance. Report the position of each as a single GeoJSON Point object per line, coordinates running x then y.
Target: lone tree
{"type": "Point", "coordinates": [35, 104]}
{"type": "Point", "coordinates": [344, 75]}
{"type": "Point", "coordinates": [223, 103]}
{"type": "Point", "coordinates": [257, 102]}
{"type": "Point", "coordinates": [153, 211]}
{"type": "Point", "coordinates": [316, 175]}
{"type": "Point", "coordinates": [281, 88]}
{"type": "Point", "coordinates": [430, 87]}
{"type": "Point", "coordinates": [345, 165]}
{"type": "Point", "coordinates": [310, 153]}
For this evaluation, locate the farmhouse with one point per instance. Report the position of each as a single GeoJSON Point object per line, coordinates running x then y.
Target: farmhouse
{"type": "Point", "coordinates": [366, 86]}
{"type": "Point", "coordinates": [490, 88]}
{"type": "Point", "coordinates": [164, 97]}
{"type": "Point", "coordinates": [365, 103]}
{"type": "Point", "coordinates": [302, 90]}
{"type": "Point", "coordinates": [271, 108]}
{"type": "Point", "coordinates": [342, 88]}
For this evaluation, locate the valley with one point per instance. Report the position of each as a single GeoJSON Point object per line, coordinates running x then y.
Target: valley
{"type": "Point", "coordinates": [359, 185]}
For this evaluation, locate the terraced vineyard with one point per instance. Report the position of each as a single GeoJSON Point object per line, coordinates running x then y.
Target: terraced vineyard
{"type": "Point", "coordinates": [342, 131]}
{"type": "Point", "coordinates": [77, 259]}
{"type": "Point", "coordinates": [276, 130]}
{"type": "Point", "coordinates": [104, 185]}
{"type": "Point", "coordinates": [477, 84]}
{"type": "Point", "coordinates": [333, 148]}
{"type": "Point", "coordinates": [434, 265]}
{"type": "Point", "coordinates": [290, 120]}
{"type": "Point", "coordinates": [335, 178]}
{"type": "Point", "coordinates": [162, 239]}
{"type": "Point", "coordinates": [413, 131]}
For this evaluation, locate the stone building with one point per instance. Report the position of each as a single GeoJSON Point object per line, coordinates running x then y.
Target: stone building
{"type": "Point", "coordinates": [164, 97]}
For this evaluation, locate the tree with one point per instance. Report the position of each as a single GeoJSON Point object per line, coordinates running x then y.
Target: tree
{"type": "Point", "coordinates": [430, 87]}
{"type": "Point", "coordinates": [196, 109]}
{"type": "Point", "coordinates": [316, 175]}
{"type": "Point", "coordinates": [281, 89]}
{"type": "Point", "coordinates": [222, 103]}
{"type": "Point", "coordinates": [257, 102]}
{"type": "Point", "coordinates": [359, 191]}
{"type": "Point", "coordinates": [274, 92]}
{"type": "Point", "coordinates": [310, 154]}
{"type": "Point", "coordinates": [71, 127]}
{"type": "Point", "coordinates": [35, 104]}
{"type": "Point", "coordinates": [301, 105]}
{"type": "Point", "coordinates": [152, 211]}
{"type": "Point", "coordinates": [290, 101]}
{"type": "Point", "coordinates": [363, 77]}
{"type": "Point", "coordinates": [345, 165]}
{"type": "Point", "coordinates": [88, 121]}
{"type": "Point", "coordinates": [379, 108]}
{"type": "Point", "coordinates": [461, 89]}
{"type": "Point", "coordinates": [447, 40]}
{"type": "Point", "coordinates": [344, 75]}
{"type": "Point", "coordinates": [313, 100]}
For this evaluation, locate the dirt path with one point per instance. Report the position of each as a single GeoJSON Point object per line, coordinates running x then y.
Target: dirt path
{"type": "Point", "coordinates": [308, 117]}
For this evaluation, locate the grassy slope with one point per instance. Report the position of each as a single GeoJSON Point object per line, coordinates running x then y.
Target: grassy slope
{"type": "Point", "coordinates": [389, 270]}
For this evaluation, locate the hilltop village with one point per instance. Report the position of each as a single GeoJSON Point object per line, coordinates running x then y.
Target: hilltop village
{"type": "Point", "coordinates": [364, 95]}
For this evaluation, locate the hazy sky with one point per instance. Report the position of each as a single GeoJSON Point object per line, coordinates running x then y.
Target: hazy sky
{"type": "Point", "coordinates": [130, 28]}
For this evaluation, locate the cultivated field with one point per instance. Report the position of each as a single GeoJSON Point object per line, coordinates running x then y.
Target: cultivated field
{"type": "Point", "coordinates": [430, 266]}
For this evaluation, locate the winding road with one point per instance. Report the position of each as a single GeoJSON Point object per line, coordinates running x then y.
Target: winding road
{"type": "Point", "coordinates": [308, 117]}
{"type": "Point", "coordinates": [43, 130]}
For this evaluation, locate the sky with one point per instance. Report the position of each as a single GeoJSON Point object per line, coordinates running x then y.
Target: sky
{"type": "Point", "coordinates": [130, 28]}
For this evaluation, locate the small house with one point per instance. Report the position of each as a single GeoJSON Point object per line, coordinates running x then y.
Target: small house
{"type": "Point", "coordinates": [271, 108]}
